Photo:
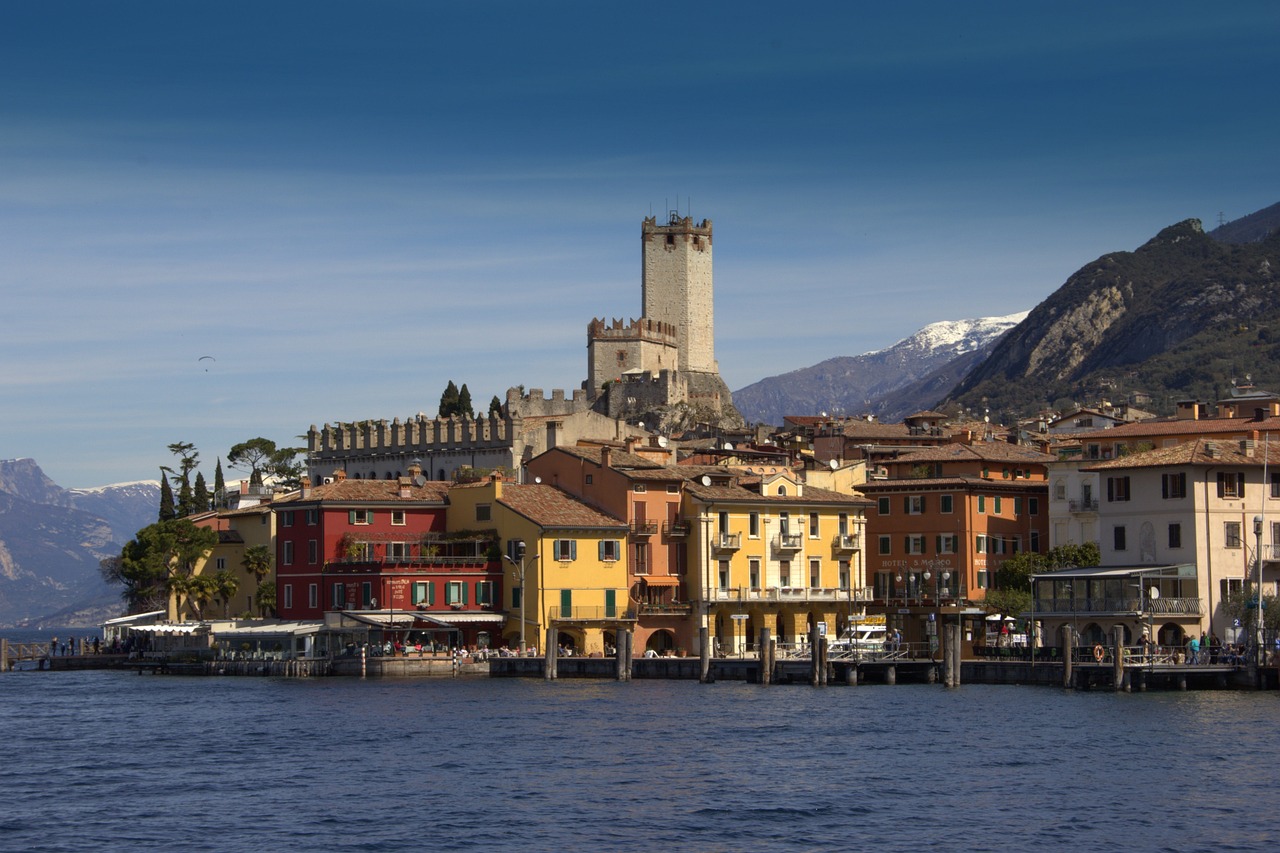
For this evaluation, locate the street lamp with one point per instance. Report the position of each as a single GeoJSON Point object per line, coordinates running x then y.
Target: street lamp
{"type": "Point", "coordinates": [519, 562]}
{"type": "Point", "coordinates": [1257, 561]}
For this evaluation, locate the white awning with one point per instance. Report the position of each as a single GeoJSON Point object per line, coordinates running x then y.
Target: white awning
{"type": "Point", "coordinates": [128, 621]}
{"type": "Point", "coordinates": [271, 629]}
{"type": "Point", "coordinates": [170, 628]}
{"type": "Point", "coordinates": [466, 616]}
{"type": "Point", "coordinates": [392, 619]}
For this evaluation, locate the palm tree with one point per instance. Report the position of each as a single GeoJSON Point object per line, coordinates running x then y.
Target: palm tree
{"type": "Point", "coordinates": [225, 586]}
{"type": "Point", "coordinates": [257, 562]}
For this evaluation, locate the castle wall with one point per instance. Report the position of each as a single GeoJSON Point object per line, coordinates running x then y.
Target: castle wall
{"type": "Point", "coordinates": [677, 286]}
{"type": "Point", "coordinates": [645, 345]}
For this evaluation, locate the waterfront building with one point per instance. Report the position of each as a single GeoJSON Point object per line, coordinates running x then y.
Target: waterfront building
{"type": "Point", "coordinates": [647, 495]}
{"type": "Point", "coordinates": [253, 524]}
{"type": "Point", "coordinates": [384, 549]}
{"type": "Point", "coordinates": [769, 551]}
{"type": "Point", "coordinates": [1203, 507]}
{"type": "Point", "coordinates": [943, 522]}
{"type": "Point", "coordinates": [573, 562]}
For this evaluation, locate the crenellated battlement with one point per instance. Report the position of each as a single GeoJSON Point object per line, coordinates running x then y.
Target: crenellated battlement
{"type": "Point", "coordinates": [636, 330]}
{"type": "Point", "coordinates": [417, 434]}
{"type": "Point", "coordinates": [535, 403]}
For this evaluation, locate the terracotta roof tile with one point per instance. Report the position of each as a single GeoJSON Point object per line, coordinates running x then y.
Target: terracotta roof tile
{"type": "Point", "coordinates": [547, 506]}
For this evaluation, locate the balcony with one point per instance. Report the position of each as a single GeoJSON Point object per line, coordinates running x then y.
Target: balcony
{"type": "Point", "coordinates": [643, 528]}
{"type": "Point", "coordinates": [672, 529]}
{"type": "Point", "coordinates": [727, 542]}
{"type": "Point", "coordinates": [847, 542]}
{"type": "Point", "coordinates": [592, 614]}
{"type": "Point", "coordinates": [1083, 506]}
{"type": "Point", "coordinates": [1126, 605]}
{"type": "Point", "coordinates": [673, 608]}
{"type": "Point", "coordinates": [789, 542]}
{"type": "Point", "coordinates": [792, 594]}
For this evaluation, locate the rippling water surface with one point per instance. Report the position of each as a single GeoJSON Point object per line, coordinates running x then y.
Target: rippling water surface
{"type": "Point", "coordinates": [99, 760]}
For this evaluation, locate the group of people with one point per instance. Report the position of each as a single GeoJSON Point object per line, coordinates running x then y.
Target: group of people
{"type": "Point", "coordinates": [81, 646]}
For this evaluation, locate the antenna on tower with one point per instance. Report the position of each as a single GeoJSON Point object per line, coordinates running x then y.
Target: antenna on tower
{"type": "Point", "coordinates": [1222, 220]}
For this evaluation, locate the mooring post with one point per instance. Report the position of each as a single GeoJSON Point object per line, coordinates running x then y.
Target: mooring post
{"type": "Point", "coordinates": [944, 637]}
{"type": "Point", "coordinates": [550, 660]}
{"type": "Point", "coordinates": [4, 655]}
{"type": "Point", "coordinates": [766, 666]}
{"type": "Point", "coordinates": [891, 674]}
{"type": "Point", "coordinates": [851, 674]}
{"type": "Point", "coordinates": [704, 653]}
{"type": "Point", "coordinates": [1066, 656]}
{"type": "Point", "coordinates": [1117, 665]}
{"type": "Point", "coordinates": [957, 658]}
{"type": "Point", "coordinates": [824, 672]}
{"type": "Point", "coordinates": [815, 660]}
{"type": "Point", "coordinates": [630, 656]}
{"type": "Point", "coordinates": [620, 657]}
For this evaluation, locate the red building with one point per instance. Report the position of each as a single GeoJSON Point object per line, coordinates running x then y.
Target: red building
{"type": "Point", "coordinates": [381, 548]}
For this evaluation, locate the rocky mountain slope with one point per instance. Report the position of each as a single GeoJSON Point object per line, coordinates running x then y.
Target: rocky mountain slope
{"type": "Point", "coordinates": [52, 539]}
{"type": "Point", "coordinates": [1178, 318]}
{"type": "Point", "coordinates": [890, 383]}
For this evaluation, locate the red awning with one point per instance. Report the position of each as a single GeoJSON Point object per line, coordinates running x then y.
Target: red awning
{"type": "Point", "coordinates": [660, 580]}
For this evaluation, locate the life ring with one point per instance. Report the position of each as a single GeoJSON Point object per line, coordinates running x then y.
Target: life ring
{"type": "Point", "coordinates": [1099, 652]}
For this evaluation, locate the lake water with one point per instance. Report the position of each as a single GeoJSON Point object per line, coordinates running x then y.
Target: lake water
{"type": "Point", "coordinates": [118, 761]}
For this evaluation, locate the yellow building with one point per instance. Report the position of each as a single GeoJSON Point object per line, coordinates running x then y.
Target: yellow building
{"type": "Point", "coordinates": [774, 553]}
{"type": "Point", "coordinates": [573, 562]}
{"type": "Point", "coordinates": [238, 530]}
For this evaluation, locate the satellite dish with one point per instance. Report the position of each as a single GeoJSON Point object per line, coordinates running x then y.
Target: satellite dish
{"type": "Point", "coordinates": [537, 479]}
{"type": "Point", "coordinates": [662, 441]}
{"type": "Point", "coordinates": [706, 481]}
{"type": "Point", "coordinates": [419, 480]}
{"type": "Point", "coordinates": [1154, 593]}
{"type": "Point", "coordinates": [833, 464]}
{"type": "Point", "coordinates": [728, 445]}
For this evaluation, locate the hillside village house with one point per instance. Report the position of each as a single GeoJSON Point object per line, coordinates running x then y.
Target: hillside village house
{"type": "Point", "coordinates": [943, 523]}
{"type": "Point", "coordinates": [1185, 519]}
{"type": "Point", "coordinates": [573, 563]}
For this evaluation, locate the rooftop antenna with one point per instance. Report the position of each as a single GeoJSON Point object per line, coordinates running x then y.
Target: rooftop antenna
{"type": "Point", "coordinates": [1222, 220]}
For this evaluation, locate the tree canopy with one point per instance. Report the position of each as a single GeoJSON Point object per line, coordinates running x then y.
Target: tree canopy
{"type": "Point", "coordinates": [160, 553]}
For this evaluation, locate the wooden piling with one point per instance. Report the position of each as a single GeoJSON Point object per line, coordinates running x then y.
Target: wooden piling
{"type": "Point", "coordinates": [766, 665]}
{"type": "Point", "coordinates": [1068, 679]}
{"type": "Point", "coordinates": [824, 672]}
{"type": "Point", "coordinates": [704, 654]}
{"type": "Point", "coordinates": [851, 674]}
{"type": "Point", "coordinates": [814, 657]}
{"type": "Point", "coordinates": [956, 658]}
{"type": "Point", "coordinates": [891, 674]}
{"type": "Point", "coordinates": [4, 655]}
{"type": "Point", "coordinates": [630, 656]}
{"type": "Point", "coordinates": [1117, 665]}
{"type": "Point", "coordinates": [550, 660]}
{"type": "Point", "coordinates": [619, 657]}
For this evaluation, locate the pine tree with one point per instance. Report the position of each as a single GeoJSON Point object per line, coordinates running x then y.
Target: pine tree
{"type": "Point", "coordinates": [449, 400]}
{"type": "Point", "coordinates": [495, 407]}
{"type": "Point", "coordinates": [464, 402]}
{"type": "Point", "coordinates": [200, 497]}
{"type": "Point", "coordinates": [167, 512]}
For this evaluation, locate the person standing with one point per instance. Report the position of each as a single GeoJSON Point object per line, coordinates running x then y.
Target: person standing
{"type": "Point", "coordinates": [1193, 650]}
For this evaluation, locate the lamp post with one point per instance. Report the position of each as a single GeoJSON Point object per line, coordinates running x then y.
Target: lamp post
{"type": "Point", "coordinates": [519, 562]}
{"type": "Point", "coordinates": [1257, 591]}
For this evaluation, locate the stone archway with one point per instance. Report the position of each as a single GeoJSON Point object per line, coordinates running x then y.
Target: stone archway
{"type": "Point", "coordinates": [660, 641]}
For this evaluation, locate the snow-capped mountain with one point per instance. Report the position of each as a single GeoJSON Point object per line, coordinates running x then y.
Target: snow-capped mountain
{"type": "Point", "coordinates": [890, 383]}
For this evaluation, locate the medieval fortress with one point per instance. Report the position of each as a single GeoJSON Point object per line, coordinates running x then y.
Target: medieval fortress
{"type": "Point", "coordinates": [657, 373]}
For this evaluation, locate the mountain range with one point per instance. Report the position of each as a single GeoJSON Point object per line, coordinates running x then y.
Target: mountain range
{"type": "Point", "coordinates": [891, 383]}
{"type": "Point", "coordinates": [52, 539]}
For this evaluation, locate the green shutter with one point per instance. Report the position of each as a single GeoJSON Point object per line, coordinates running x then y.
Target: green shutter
{"type": "Point", "coordinates": [431, 593]}
{"type": "Point", "coordinates": [610, 603]}
{"type": "Point", "coordinates": [351, 516]}
{"type": "Point", "coordinates": [982, 503]}
{"type": "Point", "coordinates": [601, 544]}
{"type": "Point", "coordinates": [906, 503]}
{"type": "Point", "coordinates": [938, 544]}
{"type": "Point", "coordinates": [464, 593]}
{"type": "Point", "coordinates": [566, 603]}
{"type": "Point", "coordinates": [573, 549]}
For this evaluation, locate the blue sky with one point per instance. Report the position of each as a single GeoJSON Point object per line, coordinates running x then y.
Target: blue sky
{"type": "Point", "coordinates": [349, 205]}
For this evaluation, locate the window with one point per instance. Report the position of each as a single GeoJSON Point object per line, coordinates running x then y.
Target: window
{"type": "Point", "coordinates": [220, 563]}
{"type": "Point", "coordinates": [813, 525]}
{"type": "Point", "coordinates": [610, 550]}
{"type": "Point", "coordinates": [360, 516]}
{"type": "Point", "coordinates": [610, 604]}
{"type": "Point", "coordinates": [844, 574]}
{"type": "Point", "coordinates": [883, 506]}
{"type": "Point", "coordinates": [1117, 489]}
{"type": "Point", "coordinates": [1035, 541]}
{"type": "Point", "coordinates": [1059, 491]}
{"type": "Point", "coordinates": [980, 544]}
{"type": "Point", "coordinates": [313, 552]}
{"type": "Point", "coordinates": [1173, 486]}
{"type": "Point", "coordinates": [1275, 485]}
{"type": "Point", "coordinates": [1017, 507]}
{"type": "Point", "coordinates": [842, 524]}
{"type": "Point", "coordinates": [1231, 534]}
{"type": "Point", "coordinates": [673, 488]}
{"type": "Point", "coordinates": [982, 579]}
{"type": "Point", "coordinates": [565, 550]}
{"type": "Point", "coordinates": [784, 573]}
{"type": "Point", "coordinates": [914, 544]}
{"type": "Point", "coordinates": [753, 525]}
{"type": "Point", "coordinates": [639, 487]}
{"type": "Point", "coordinates": [484, 592]}
{"type": "Point", "coordinates": [288, 596]}
{"type": "Point", "coordinates": [997, 508]}
{"type": "Point", "coordinates": [723, 573]}
{"type": "Point", "coordinates": [313, 517]}
{"type": "Point", "coordinates": [590, 479]}
{"type": "Point", "coordinates": [420, 592]}
{"type": "Point", "coordinates": [947, 544]}
{"type": "Point", "coordinates": [339, 600]}
{"type": "Point", "coordinates": [982, 503]}
{"type": "Point", "coordinates": [1033, 506]}
{"type": "Point", "coordinates": [640, 558]}
{"type": "Point", "coordinates": [515, 596]}
{"type": "Point", "coordinates": [815, 574]}
{"type": "Point", "coordinates": [286, 556]}
{"type": "Point", "coordinates": [313, 595]}
{"type": "Point", "coordinates": [566, 602]}
{"type": "Point", "coordinates": [945, 504]}
{"type": "Point", "coordinates": [484, 512]}
{"type": "Point", "coordinates": [1230, 484]}
{"type": "Point", "coordinates": [455, 592]}
{"type": "Point", "coordinates": [1175, 535]}
{"type": "Point", "coordinates": [286, 518]}
{"type": "Point", "coordinates": [886, 545]}
{"type": "Point", "coordinates": [1118, 538]}
{"type": "Point", "coordinates": [754, 569]}
{"type": "Point", "coordinates": [913, 504]}
{"type": "Point", "coordinates": [784, 523]}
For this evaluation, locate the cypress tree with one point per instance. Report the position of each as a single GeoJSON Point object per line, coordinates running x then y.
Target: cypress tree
{"type": "Point", "coordinates": [449, 400]}
{"type": "Point", "coordinates": [219, 485]}
{"type": "Point", "coordinates": [495, 407]}
{"type": "Point", "coordinates": [200, 499]}
{"type": "Point", "coordinates": [167, 512]}
{"type": "Point", "coordinates": [464, 403]}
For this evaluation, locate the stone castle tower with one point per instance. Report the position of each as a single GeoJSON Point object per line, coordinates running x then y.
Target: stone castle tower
{"type": "Point", "coordinates": [666, 359]}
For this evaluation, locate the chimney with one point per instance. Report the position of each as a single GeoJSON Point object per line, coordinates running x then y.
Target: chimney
{"type": "Point", "coordinates": [495, 479]}
{"type": "Point", "coordinates": [340, 475]}
{"type": "Point", "coordinates": [1259, 414]}
{"type": "Point", "coordinates": [606, 457]}
{"type": "Point", "coordinates": [553, 434]}
{"type": "Point", "coordinates": [405, 490]}
{"type": "Point", "coordinates": [1210, 449]}
{"type": "Point", "coordinates": [304, 488]}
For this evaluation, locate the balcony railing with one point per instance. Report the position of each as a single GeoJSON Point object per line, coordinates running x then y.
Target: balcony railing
{"type": "Point", "coordinates": [666, 609]}
{"type": "Point", "coordinates": [410, 564]}
{"type": "Point", "coordinates": [675, 528]}
{"type": "Point", "coordinates": [591, 614]}
{"type": "Point", "coordinates": [728, 541]}
{"type": "Point", "coordinates": [847, 542]}
{"type": "Point", "coordinates": [790, 541]}
{"type": "Point", "coordinates": [1083, 506]}
{"type": "Point", "coordinates": [644, 528]}
{"type": "Point", "coordinates": [783, 594]}
{"type": "Point", "coordinates": [1128, 604]}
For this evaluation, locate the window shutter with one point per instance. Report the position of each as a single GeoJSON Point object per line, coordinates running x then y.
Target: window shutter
{"type": "Point", "coordinates": [906, 503]}
{"type": "Point", "coordinates": [431, 593]}
{"type": "Point", "coordinates": [938, 544]}
{"type": "Point", "coordinates": [351, 516]}
{"type": "Point", "coordinates": [1222, 484]}
{"type": "Point", "coordinates": [924, 503]}
{"type": "Point", "coordinates": [464, 592]}
{"type": "Point", "coordinates": [573, 549]}
{"type": "Point", "coordinates": [1240, 485]}
{"type": "Point", "coordinates": [1111, 489]}
{"type": "Point", "coordinates": [1164, 486]}
{"type": "Point", "coordinates": [601, 544]}
{"type": "Point", "coordinates": [906, 544]}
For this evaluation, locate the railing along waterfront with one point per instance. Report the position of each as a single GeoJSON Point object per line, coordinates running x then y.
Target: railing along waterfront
{"type": "Point", "coordinates": [1126, 604]}
{"type": "Point", "coordinates": [793, 593]}
{"type": "Point", "coordinates": [591, 614]}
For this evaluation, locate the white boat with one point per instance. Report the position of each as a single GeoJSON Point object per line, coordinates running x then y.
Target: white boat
{"type": "Point", "coordinates": [861, 638]}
